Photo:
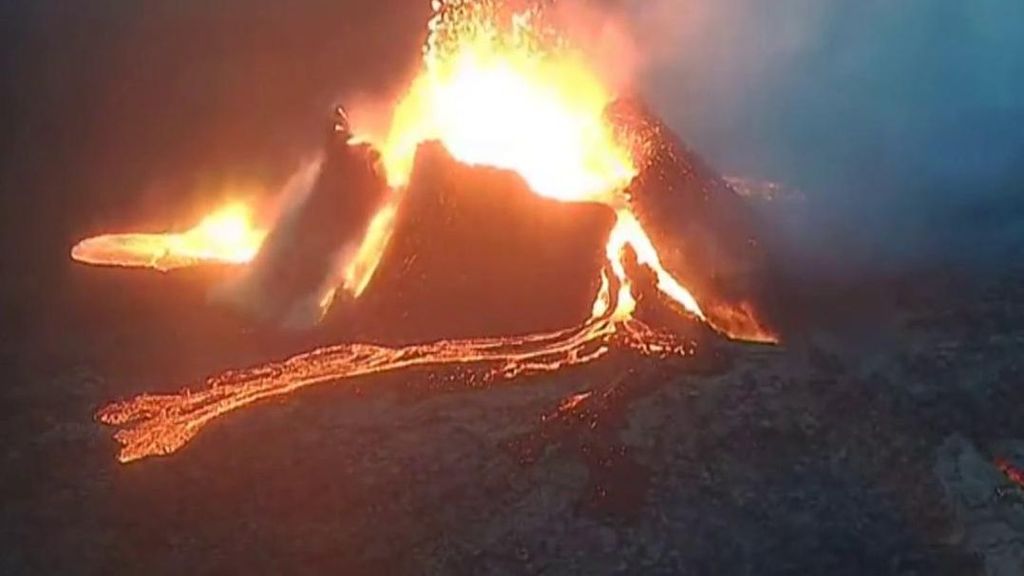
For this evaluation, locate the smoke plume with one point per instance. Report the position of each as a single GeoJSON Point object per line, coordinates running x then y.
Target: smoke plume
{"type": "Point", "coordinates": [900, 122]}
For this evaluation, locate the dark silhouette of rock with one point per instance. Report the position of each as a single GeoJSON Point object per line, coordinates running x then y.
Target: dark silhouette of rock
{"type": "Point", "coordinates": [296, 266]}
{"type": "Point", "coordinates": [706, 234]}
{"type": "Point", "coordinates": [475, 252]}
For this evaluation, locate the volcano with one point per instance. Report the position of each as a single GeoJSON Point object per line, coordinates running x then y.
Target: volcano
{"type": "Point", "coordinates": [476, 252]}
{"type": "Point", "coordinates": [708, 236]}
{"type": "Point", "coordinates": [513, 219]}
{"type": "Point", "coordinates": [480, 268]}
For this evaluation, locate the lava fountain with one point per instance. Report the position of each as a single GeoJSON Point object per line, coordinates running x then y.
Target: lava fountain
{"type": "Point", "coordinates": [498, 87]}
{"type": "Point", "coordinates": [504, 89]}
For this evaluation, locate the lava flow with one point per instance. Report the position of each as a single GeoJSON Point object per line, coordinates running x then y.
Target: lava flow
{"type": "Point", "coordinates": [497, 88]}
{"type": "Point", "coordinates": [227, 236]}
{"type": "Point", "coordinates": [155, 424]}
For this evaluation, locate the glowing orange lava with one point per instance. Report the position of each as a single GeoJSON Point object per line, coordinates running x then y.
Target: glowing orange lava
{"type": "Point", "coordinates": [499, 89]}
{"type": "Point", "coordinates": [159, 424]}
{"type": "Point", "coordinates": [226, 235]}
{"type": "Point", "coordinates": [739, 321]}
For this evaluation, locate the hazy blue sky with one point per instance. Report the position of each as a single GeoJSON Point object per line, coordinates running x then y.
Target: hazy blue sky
{"type": "Point", "coordinates": [898, 118]}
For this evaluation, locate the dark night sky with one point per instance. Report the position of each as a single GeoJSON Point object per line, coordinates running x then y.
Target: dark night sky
{"type": "Point", "coordinates": [142, 102]}
{"type": "Point", "coordinates": [122, 113]}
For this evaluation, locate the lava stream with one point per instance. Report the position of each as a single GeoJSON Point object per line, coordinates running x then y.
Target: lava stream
{"type": "Point", "coordinates": [153, 425]}
{"type": "Point", "coordinates": [226, 236]}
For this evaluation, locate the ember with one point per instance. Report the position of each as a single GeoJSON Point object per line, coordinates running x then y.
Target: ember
{"type": "Point", "coordinates": [498, 88]}
{"type": "Point", "coordinates": [1012, 473]}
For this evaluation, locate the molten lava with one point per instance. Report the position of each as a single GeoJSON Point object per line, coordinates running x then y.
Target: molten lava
{"type": "Point", "coordinates": [497, 88]}
{"type": "Point", "coordinates": [501, 89]}
{"type": "Point", "coordinates": [226, 235]}
{"type": "Point", "coordinates": [153, 425]}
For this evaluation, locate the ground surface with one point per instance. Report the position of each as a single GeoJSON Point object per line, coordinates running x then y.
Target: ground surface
{"type": "Point", "coordinates": [826, 456]}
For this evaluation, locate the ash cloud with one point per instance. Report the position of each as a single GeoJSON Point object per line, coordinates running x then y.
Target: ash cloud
{"type": "Point", "coordinates": [902, 123]}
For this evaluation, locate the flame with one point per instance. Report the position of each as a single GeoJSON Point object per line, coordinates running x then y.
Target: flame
{"type": "Point", "coordinates": [226, 235]}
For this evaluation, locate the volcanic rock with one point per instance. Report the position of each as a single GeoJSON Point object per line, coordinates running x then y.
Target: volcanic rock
{"type": "Point", "coordinates": [706, 234]}
{"type": "Point", "coordinates": [475, 252]}
{"type": "Point", "coordinates": [990, 518]}
{"type": "Point", "coordinates": [295, 269]}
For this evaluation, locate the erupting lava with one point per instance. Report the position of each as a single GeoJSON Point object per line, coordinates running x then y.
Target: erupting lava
{"type": "Point", "coordinates": [227, 236]}
{"type": "Point", "coordinates": [497, 88]}
{"type": "Point", "coordinates": [505, 90]}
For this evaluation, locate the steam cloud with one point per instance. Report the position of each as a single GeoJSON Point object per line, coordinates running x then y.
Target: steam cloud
{"type": "Point", "coordinates": [901, 122]}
